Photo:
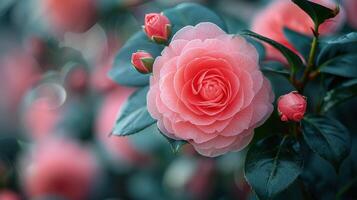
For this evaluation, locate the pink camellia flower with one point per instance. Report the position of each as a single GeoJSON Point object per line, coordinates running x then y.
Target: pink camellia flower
{"type": "Point", "coordinates": [142, 61]}
{"type": "Point", "coordinates": [119, 148]}
{"type": "Point", "coordinates": [69, 15]}
{"type": "Point", "coordinates": [59, 167]}
{"type": "Point", "coordinates": [207, 89]}
{"type": "Point", "coordinates": [157, 27]}
{"type": "Point", "coordinates": [282, 13]}
{"type": "Point", "coordinates": [19, 71]}
{"type": "Point", "coordinates": [78, 79]}
{"type": "Point", "coordinates": [351, 8]}
{"type": "Point", "coordinates": [8, 195]}
{"type": "Point", "coordinates": [292, 107]}
{"type": "Point", "coordinates": [41, 118]}
{"type": "Point", "coordinates": [99, 79]}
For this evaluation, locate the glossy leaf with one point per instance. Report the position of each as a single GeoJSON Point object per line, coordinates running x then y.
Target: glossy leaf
{"type": "Point", "coordinates": [340, 94]}
{"type": "Point", "coordinates": [327, 137]}
{"type": "Point", "coordinates": [186, 14]}
{"type": "Point", "coordinates": [123, 72]}
{"type": "Point", "coordinates": [301, 42]}
{"type": "Point", "coordinates": [294, 60]}
{"type": "Point", "coordinates": [174, 144]}
{"type": "Point", "coordinates": [9, 149]}
{"type": "Point", "coordinates": [338, 47]}
{"type": "Point", "coordinates": [272, 165]}
{"type": "Point", "coordinates": [345, 66]}
{"type": "Point", "coordinates": [275, 67]}
{"type": "Point", "coordinates": [134, 116]}
{"type": "Point", "coordinates": [318, 13]}
{"type": "Point", "coordinates": [259, 47]}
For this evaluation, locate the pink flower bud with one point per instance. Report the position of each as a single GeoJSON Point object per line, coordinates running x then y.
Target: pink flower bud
{"type": "Point", "coordinates": [292, 106]}
{"type": "Point", "coordinates": [142, 61]}
{"type": "Point", "coordinates": [157, 27]}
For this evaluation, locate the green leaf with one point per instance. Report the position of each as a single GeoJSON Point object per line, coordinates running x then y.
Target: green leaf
{"type": "Point", "coordinates": [123, 72]}
{"type": "Point", "coordinates": [186, 14]}
{"type": "Point", "coordinates": [275, 67]}
{"type": "Point", "coordinates": [259, 47]}
{"type": "Point", "coordinates": [344, 66]}
{"type": "Point", "coordinates": [9, 149]}
{"type": "Point", "coordinates": [182, 15]}
{"type": "Point", "coordinates": [134, 116]}
{"type": "Point", "coordinates": [327, 137]}
{"type": "Point", "coordinates": [294, 60]}
{"type": "Point", "coordinates": [318, 13]}
{"type": "Point", "coordinates": [340, 94]}
{"type": "Point", "coordinates": [301, 42]}
{"type": "Point", "coordinates": [174, 144]}
{"type": "Point", "coordinates": [272, 165]}
{"type": "Point", "coordinates": [338, 47]}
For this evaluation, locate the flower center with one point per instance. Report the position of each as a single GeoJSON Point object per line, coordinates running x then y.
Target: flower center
{"type": "Point", "coordinates": [211, 89]}
{"type": "Point", "coordinates": [210, 86]}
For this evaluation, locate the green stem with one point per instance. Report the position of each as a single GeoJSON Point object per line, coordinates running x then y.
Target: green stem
{"type": "Point", "coordinates": [313, 50]}
{"type": "Point", "coordinates": [311, 60]}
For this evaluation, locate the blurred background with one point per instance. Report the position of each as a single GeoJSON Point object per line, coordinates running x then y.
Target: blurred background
{"type": "Point", "coordinates": [58, 107]}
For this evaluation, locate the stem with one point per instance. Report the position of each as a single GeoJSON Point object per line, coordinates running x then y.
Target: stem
{"type": "Point", "coordinates": [311, 60]}
{"type": "Point", "coordinates": [312, 54]}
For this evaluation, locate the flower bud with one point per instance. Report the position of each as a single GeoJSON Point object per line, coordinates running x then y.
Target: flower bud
{"type": "Point", "coordinates": [292, 107]}
{"type": "Point", "coordinates": [142, 61]}
{"type": "Point", "coordinates": [157, 27]}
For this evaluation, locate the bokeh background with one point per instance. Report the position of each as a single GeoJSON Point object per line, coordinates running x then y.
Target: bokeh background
{"type": "Point", "coordinates": [58, 107]}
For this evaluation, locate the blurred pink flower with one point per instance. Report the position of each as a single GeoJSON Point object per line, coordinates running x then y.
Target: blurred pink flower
{"type": "Point", "coordinates": [78, 79]}
{"type": "Point", "coordinates": [282, 13]}
{"type": "Point", "coordinates": [8, 195]}
{"type": "Point", "coordinates": [207, 89]}
{"type": "Point", "coordinates": [59, 167]}
{"type": "Point", "coordinates": [70, 15]}
{"type": "Point", "coordinates": [351, 11]}
{"type": "Point", "coordinates": [18, 73]}
{"type": "Point", "coordinates": [202, 182]}
{"type": "Point", "coordinates": [99, 77]}
{"type": "Point", "coordinates": [41, 118]}
{"type": "Point", "coordinates": [119, 148]}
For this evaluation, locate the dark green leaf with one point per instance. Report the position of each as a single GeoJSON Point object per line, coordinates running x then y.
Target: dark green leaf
{"type": "Point", "coordinates": [301, 42]}
{"type": "Point", "coordinates": [123, 72]}
{"type": "Point", "coordinates": [134, 116]}
{"type": "Point", "coordinates": [327, 137]}
{"type": "Point", "coordinates": [340, 94]}
{"type": "Point", "coordinates": [318, 13]}
{"type": "Point", "coordinates": [345, 66]}
{"type": "Point", "coordinates": [9, 149]}
{"type": "Point", "coordinates": [191, 14]}
{"type": "Point", "coordinates": [272, 165]}
{"type": "Point", "coordinates": [260, 48]}
{"type": "Point", "coordinates": [294, 60]}
{"type": "Point", "coordinates": [275, 67]}
{"type": "Point", "coordinates": [338, 47]}
{"type": "Point", "coordinates": [174, 144]}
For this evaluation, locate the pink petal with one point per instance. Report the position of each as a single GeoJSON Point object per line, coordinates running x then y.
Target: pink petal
{"type": "Point", "coordinates": [204, 30]}
{"type": "Point", "coordinates": [240, 122]}
{"type": "Point", "coordinates": [262, 104]}
{"type": "Point", "coordinates": [188, 131]}
{"type": "Point", "coordinates": [151, 101]}
{"type": "Point", "coordinates": [217, 126]}
{"type": "Point", "coordinates": [239, 143]}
